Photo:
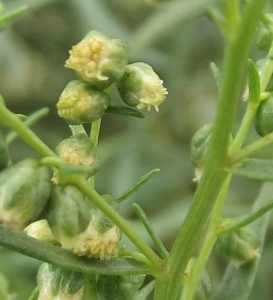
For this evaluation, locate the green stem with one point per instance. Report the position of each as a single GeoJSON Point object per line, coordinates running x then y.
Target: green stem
{"type": "Point", "coordinates": [138, 185]}
{"type": "Point", "coordinates": [143, 217]}
{"type": "Point", "coordinates": [31, 120]}
{"type": "Point", "coordinates": [209, 241]}
{"type": "Point", "coordinates": [94, 136]}
{"type": "Point", "coordinates": [247, 220]}
{"type": "Point", "coordinates": [125, 227]}
{"type": "Point", "coordinates": [250, 149]}
{"type": "Point", "coordinates": [76, 129]}
{"type": "Point", "coordinates": [12, 15]}
{"type": "Point", "coordinates": [35, 294]}
{"type": "Point", "coordinates": [11, 120]}
{"type": "Point", "coordinates": [168, 284]}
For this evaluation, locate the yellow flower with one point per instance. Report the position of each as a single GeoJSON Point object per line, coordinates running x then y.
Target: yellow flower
{"type": "Point", "coordinates": [98, 59]}
{"type": "Point", "coordinates": [141, 87]}
{"type": "Point", "coordinates": [79, 103]}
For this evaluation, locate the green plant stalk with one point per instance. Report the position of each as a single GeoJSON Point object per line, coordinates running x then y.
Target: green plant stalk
{"type": "Point", "coordinates": [149, 228]}
{"type": "Point", "coordinates": [12, 15]}
{"type": "Point", "coordinates": [247, 220]}
{"type": "Point", "coordinates": [267, 69]}
{"type": "Point", "coordinates": [169, 282]}
{"type": "Point", "coordinates": [125, 227]}
{"type": "Point", "coordinates": [11, 120]}
{"type": "Point", "coordinates": [251, 148]}
{"type": "Point", "coordinates": [209, 241]}
{"type": "Point", "coordinates": [35, 294]}
{"type": "Point", "coordinates": [138, 185]}
{"type": "Point", "coordinates": [31, 120]}
{"type": "Point", "coordinates": [75, 129]}
{"type": "Point", "coordinates": [94, 136]}
{"type": "Point", "coordinates": [232, 17]}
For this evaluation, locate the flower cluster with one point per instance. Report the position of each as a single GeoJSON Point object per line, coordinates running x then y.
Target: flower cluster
{"type": "Point", "coordinates": [100, 61]}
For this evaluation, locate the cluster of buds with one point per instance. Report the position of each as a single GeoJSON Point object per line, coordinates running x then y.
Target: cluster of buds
{"type": "Point", "coordinates": [100, 61]}
{"type": "Point", "coordinates": [241, 246]}
{"type": "Point", "coordinates": [81, 228]}
{"type": "Point", "coordinates": [24, 190]}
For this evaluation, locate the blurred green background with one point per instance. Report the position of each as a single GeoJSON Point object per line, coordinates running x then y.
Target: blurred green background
{"type": "Point", "coordinates": [33, 49]}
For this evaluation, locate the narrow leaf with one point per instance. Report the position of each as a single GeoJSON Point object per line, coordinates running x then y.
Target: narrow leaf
{"type": "Point", "coordinates": [259, 169]}
{"type": "Point", "coordinates": [22, 243]}
{"type": "Point", "coordinates": [216, 74]}
{"type": "Point", "coordinates": [145, 292]}
{"type": "Point", "coordinates": [138, 185]}
{"type": "Point", "coordinates": [253, 84]}
{"type": "Point", "coordinates": [125, 111]}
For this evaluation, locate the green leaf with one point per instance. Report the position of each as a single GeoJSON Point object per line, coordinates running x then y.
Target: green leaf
{"type": "Point", "coordinates": [125, 111]}
{"type": "Point", "coordinates": [145, 292]}
{"type": "Point", "coordinates": [259, 169]}
{"type": "Point", "coordinates": [253, 84]}
{"type": "Point", "coordinates": [22, 243]}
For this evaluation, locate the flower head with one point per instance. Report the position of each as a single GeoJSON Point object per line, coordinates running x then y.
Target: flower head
{"type": "Point", "coordinates": [98, 59]}
{"type": "Point", "coordinates": [79, 103]}
{"type": "Point", "coordinates": [140, 86]}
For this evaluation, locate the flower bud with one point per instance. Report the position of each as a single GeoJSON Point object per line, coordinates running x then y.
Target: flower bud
{"type": "Point", "coordinates": [98, 59]}
{"type": "Point", "coordinates": [55, 283]}
{"type": "Point", "coordinates": [119, 287]}
{"type": "Point", "coordinates": [40, 230]}
{"type": "Point", "coordinates": [69, 215]}
{"type": "Point", "coordinates": [78, 150]}
{"type": "Point", "coordinates": [79, 103]}
{"type": "Point", "coordinates": [24, 190]}
{"type": "Point", "coordinates": [240, 246]}
{"type": "Point", "coordinates": [140, 86]}
{"type": "Point", "coordinates": [264, 117]}
{"type": "Point", "coordinates": [4, 154]}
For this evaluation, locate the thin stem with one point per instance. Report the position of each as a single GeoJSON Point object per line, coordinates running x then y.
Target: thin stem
{"type": "Point", "coordinates": [168, 284]}
{"type": "Point", "coordinates": [76, 129]}
{"type": "Point", "coordinates": [247, 220]}
{"type": "Point", "coordinates": [144, 219]}
{"type": "Point", "coordinates": [209, 241]}
{"type": "Point", "coordinates": [9, 119]}
{"type": "Point", "coordinates": [35, 294]}
{"type": "Point", "coordinates": [31, 120]}
{"type": "Point", "coordinates": [94, 136]}
{"type": "Point", "coordinates": [138, 185]}
{"type": "Point", "coordinates": [250, 149]}
{"type": "Point", "coordinates": [12, 15]}
{"type": "Point", "coordinates": [125, 227]}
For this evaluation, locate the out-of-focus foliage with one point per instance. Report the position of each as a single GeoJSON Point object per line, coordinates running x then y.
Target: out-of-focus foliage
{"type": "Point", "coordinates": [33, 50]}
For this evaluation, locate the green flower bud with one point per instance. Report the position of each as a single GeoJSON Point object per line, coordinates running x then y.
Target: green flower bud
{"type": "Point", "coordinates": [69, 215]}
{"type": "Point", "coordinates": [119, 287]}
{"type": "Point", "coordinates": [24, 190]}
{"type": "Point", "coordinates": [140, 86]}
{"type": "Point", "coordinates": [79, 103]}
{"type": "Point", "coordinates": [98, 59]}
{"type": "Point", "coordinates": [41, 231]}
{"type": "Point", "coordinates": [240, 246]}
{"type": "Point", "coordinates": [264, 117]}
{"type": "Point", "coordinates": [101, 238]}
{"type": "Point", "coordinates": [4, 154]}
{"type": "Point", "coordinates": [56, 283]}
{"type": "Point", "coordinates": [78, 150]}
